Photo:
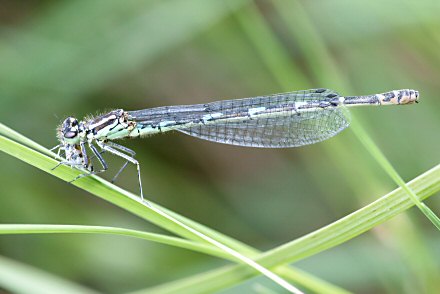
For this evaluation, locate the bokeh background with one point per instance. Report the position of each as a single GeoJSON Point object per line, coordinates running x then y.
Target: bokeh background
{"type": "Point", "coordinates": [60, 58]}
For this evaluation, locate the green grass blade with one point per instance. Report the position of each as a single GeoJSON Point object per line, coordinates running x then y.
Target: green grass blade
{"type": "Point", "coordinates": [48, 55]}
{"type": "Point", "coordinates": [360, 221]}
{"type": "Point", "coordinates": [325, 66]}
{"type": "Point", "coordinates": [325, 238]}
{"type": "Point", "coordinates": [240, 257]}
{"type": "Point", "coordinates": [16, 136]}
{"type": "Point", "coordinates": [15, 229]}
{"type": "Point", "coordinates": [369, 144]}
{"type": "Point", "coordinates": [94, 185]}
{"type": "Point", "coordinates": [19, 229]}
{"type": "Point", "coordinates": [115, 195]}
{"type": "Point", "coordinates": [130, 202]}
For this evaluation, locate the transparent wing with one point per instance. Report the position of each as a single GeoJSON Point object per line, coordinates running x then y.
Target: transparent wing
{"type": "Point", "coordinates": [291, 130]}
{"type": "Point", "coordinates": [288, 131]}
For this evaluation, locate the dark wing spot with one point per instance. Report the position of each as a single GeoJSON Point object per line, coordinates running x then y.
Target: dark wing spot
{"type": "Point", "coordinates": [332, 95]}
{"type": "Point", "coordinates": [322, 90]}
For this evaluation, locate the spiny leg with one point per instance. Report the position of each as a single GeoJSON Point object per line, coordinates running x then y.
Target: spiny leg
{"type": "Point", "coordinates": [120, 171]}
{"type": "Point", "coordinates": [121, 148]}
{"type": "Point", "coordinates": [93, 156]}
{"type": "Point", "coordinates": [59, 148]}
{"type": "Point", "coordinates": [116, 152]}
{"type": "Point", "coordinates": [82, 146]}
{"type": "Point", "coordinates": [101, 160]}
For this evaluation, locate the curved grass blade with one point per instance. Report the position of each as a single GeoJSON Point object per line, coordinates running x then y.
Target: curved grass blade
{"type": "Point", "coordinates": [18, 229]}
{"type": "Point", "coordinates": [344, 229]}
{"type": "Point", "coordinates": [332, 235]}
{"type": "Point", "coordinates": [132, 203]}
{"type": "Point", "coordinates": [377, 154]}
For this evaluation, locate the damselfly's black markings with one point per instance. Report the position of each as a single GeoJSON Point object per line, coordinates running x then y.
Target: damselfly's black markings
{"type": "Point", "coordinates": [275, 121]}
{"type": "Point", "coordinates": [399, 97]}
{"type": "Point", "coordinates": [386, 96]}
{"type": "Point", "coordinates": [324, 104]}
{"type": "Point", "coordinates": [332, 95]}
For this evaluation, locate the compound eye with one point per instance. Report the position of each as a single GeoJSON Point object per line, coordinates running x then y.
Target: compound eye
{"type": "Point", "coordinates": [70, 122]}
{"type": "Point", "coordinates": [70, 134]}
{"type": "Point", "coordinates": [70, 128]}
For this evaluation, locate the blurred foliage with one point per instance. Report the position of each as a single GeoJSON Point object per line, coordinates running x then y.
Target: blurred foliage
{"type": "Point", "coordinates": [60, 58]}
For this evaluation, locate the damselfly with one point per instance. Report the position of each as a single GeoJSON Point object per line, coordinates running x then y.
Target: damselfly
{"type": "Point", "coordinates": [276, 121]}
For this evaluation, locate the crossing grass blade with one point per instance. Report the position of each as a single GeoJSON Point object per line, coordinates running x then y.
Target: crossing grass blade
{"type": "Point", "coordinates": [151, 212]}
{"type": "Point", "coordinates": [345, 229]}
{"type": "Point", "coordinates": [342, 230]}
{"type": "Point", "coordinates": [19, 229]}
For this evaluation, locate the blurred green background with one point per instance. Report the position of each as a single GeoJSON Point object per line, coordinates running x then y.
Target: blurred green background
{"type": "Point", "coordinates": [60, 58]}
